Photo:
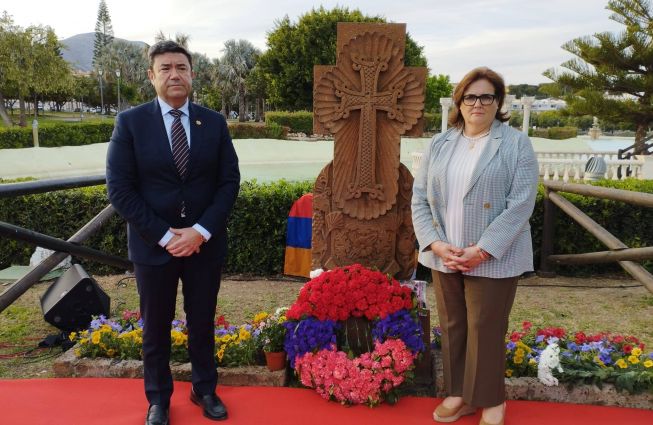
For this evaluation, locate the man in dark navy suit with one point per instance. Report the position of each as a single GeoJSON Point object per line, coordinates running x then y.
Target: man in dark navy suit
{"type": "Point", "coordinates": [172, 173]}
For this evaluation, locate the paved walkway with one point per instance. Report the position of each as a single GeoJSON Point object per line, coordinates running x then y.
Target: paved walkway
{"type": "Point", "coordinates": [262, 159]}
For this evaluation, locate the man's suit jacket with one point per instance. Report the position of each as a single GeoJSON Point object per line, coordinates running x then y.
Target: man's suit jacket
{"type": "Point", "coordinates": [498, 202]}
{"type": "Point", "coordinates": [145, 188]}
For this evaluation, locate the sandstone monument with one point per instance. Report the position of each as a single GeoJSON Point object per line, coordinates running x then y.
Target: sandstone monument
{"type": "Point", "coordinates": [368, 100]}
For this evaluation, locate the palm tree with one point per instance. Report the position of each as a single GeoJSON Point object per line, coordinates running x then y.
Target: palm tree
{"type": "Point", "coordinates": [235, 65]}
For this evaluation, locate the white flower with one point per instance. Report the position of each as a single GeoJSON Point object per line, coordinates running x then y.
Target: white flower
{"type": "Point", "coordinates": [315, 273]}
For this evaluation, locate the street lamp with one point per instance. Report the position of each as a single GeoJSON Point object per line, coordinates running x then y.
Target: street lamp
{"type": "Point", "coordinates": [100, 72]}
{"type": "Point", "coordinates": [118, 75]}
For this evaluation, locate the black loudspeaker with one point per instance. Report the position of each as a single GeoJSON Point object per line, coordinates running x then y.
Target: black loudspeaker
{"type": "Point", "coordinates": [72, 299]}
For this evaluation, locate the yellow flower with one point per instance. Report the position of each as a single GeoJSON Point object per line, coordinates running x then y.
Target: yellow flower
{"type": "Point", "coordinates": [519, 352]}
{"type": "Point", "coordinates": [518, 360]}
{"type": "Point", "coordinates": [72, 336]}
{"type": "Point", "coordinates": [633, 359]}
{"type": "Point", "coordinates": [78, 352]}
{"type": "Point", "coordinates": [220, 354]}
{"type": "Point", "coordinates": [524, 346]}
{"type": "Point", "coordinates": [83, 341]}
{"type": "Point", "coordinates": [636, 351]}
{"type": "Point", "coordinates": [95, 337]}
{"type": "Point", "coordinates": [598, 361]}
{"type": "Point", "coordinates": [621, 363]}
{"type": "Point", "coordinates": [260, 317]}
{"type": "Point", "coordinates": [111, 352]}
{"type": "Point", "coordinates": [244, 334]}
{"type": "Point", "coordinates": [508, 373]}
{"type": "Point", "coordinates": [532, 361]}
{"type": "Point", "coordinates": [648, 363]}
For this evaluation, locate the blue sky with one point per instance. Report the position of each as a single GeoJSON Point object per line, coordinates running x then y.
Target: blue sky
{"type": "Point", "coordinates": [518, 38]}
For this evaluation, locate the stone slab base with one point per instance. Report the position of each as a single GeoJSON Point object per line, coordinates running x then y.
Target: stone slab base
{"type": "Point", "coordinates": [533, 389]}
{"type": "Point", "coordinates": [68, 365]}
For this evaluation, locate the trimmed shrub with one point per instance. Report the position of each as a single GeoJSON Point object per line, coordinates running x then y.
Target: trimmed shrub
{"type": "Point", "coordinates": [256, 237]}
{"type": "Point", "coordinates": [555, 133]}
{"type": "Point", "coordinates": [57, 134]}
{"type": "Point", "coordinates": [254, 131]}
{"type": "Point", "coordinates": [631, 224]}
{"type": "Point", "coordinates": [298, 122]}
{"type": "Point", "coordinates": [257, 227]}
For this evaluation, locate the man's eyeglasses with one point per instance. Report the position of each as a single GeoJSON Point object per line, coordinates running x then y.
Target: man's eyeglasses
{"type": "Point", "coordinates": [486, 99]}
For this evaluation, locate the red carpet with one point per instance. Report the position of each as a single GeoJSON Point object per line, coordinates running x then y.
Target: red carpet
{"type": "Point", "coordinates": [121, 402]}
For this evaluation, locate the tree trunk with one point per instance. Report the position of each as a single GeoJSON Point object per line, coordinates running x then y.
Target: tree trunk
{"type": "Point", "coordinates": [640, 135]}
{"type": "Point", "coordinates": [259, 108]}
{"type": "Point", "coordinates": [224, 108]}
{"type": "Point", "coordinates": [22, 119]}
{"type": "Point", "coordinates": [3, 112]}
{"type": "Point", "coordinates": [242, 111]}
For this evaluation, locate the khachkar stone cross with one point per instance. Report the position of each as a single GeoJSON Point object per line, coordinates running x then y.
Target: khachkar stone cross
{"type": "Point", "coordinates": [361, 200]}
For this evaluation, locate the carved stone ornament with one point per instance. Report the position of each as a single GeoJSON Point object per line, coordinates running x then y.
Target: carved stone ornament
{"type": "Point", "coordinates": [361, 204]}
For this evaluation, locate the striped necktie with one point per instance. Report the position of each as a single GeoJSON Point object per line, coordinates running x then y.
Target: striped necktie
{"type": "Point", "coordinates": [180, 149]}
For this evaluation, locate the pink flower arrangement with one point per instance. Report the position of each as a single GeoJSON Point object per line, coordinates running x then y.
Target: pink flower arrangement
{"type": "Point", "coordinates": [368, 379]}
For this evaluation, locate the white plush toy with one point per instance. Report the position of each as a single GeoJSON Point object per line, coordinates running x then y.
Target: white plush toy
{"type": "Point", "coordinates": [549, 360]}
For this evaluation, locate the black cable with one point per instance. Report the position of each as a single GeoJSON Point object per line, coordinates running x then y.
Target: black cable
{"type": "Point", "coordinates": [121, 283]}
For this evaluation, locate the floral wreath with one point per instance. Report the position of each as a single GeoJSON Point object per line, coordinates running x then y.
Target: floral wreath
{"type": "Point", "coordinates": [315, 325]}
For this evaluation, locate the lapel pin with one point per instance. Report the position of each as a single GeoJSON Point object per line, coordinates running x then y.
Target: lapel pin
{"type": "Point", "coordinates": [198, 122]}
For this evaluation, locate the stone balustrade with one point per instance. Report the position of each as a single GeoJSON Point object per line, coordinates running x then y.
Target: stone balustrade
{"type": "Point", "coordinates": [567, 166]}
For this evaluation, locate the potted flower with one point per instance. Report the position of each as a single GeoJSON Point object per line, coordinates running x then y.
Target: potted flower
{"type": "Point", "coordinates": [271, 336]}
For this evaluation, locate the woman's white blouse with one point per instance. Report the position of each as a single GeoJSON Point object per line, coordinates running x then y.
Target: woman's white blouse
{"type": "Point", "coordinates": [459, 172]}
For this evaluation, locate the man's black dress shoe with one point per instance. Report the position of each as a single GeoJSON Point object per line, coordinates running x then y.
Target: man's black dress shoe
{"type": "Point", "coordinates": [211, 405]}
{"type": "Point", "coordinates": [157, 415]}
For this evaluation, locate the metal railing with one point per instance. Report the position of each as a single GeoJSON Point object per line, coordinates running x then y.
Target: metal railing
{"type": "Point", "coordinates": [62, 248]}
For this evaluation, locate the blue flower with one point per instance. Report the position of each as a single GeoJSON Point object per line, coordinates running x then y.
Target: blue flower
{"type": "Point", "coordinates": [572, 346]}
{"type": "Point", "coordinates": [539, 338]}
{"type": "Point", "coordinates": [511, 345]}
{"type": "Point", "coordinates": [308, 335]}
{"type": "Point", "coordinates": [400, 325]}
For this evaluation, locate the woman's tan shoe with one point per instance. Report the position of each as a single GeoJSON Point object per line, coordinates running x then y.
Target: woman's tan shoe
{"type": "Point", "coordinates": [483, 422]}
{"type": "Point", "coordinates": [445, 414]}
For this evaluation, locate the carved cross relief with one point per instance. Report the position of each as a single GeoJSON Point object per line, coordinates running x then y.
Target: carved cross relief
{"type": "Point", "coordinates": [368, 100]}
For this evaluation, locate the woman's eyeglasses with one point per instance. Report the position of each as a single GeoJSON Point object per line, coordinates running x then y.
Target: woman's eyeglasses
{"type": "Point", "coordinates": [486, 99]}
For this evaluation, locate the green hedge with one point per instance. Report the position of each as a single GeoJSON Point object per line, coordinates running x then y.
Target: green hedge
{"type": "Point", "coordinates": [298, 122]}
{"type": "Point", "coordinates": [555, 133]}
{"type": "Point", "coordinates": [633, 225]}
{"type": "Point", "coordinates": [55, 134]}
{"type": "Point", "coordinates": [257, 228]}
{"type": "Point", "coordinates": [77, 134]}
{"type": "Point", "coordinates": [253, 131]}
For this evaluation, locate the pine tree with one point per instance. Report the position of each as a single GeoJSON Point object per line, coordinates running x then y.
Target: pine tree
{"type": "Point", "coordinates": [103, 33]}
{"type": "Point", "coordinates": [612, 75]}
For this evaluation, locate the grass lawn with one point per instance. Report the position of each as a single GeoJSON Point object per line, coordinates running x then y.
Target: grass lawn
{"type": "Point", "coordinates": [587, 304]}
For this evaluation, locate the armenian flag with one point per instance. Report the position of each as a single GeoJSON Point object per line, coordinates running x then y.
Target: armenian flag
{"type": "Point", "coordinates": [298, 237]}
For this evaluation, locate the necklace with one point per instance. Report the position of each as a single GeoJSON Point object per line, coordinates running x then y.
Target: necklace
{"type": "Point", "coordinates": [473, 140]}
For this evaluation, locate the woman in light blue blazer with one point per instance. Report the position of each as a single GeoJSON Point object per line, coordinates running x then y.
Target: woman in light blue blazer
{"type": "Point", "coordinates": [472, 198]}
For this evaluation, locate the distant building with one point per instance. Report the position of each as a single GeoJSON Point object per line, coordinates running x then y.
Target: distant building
{"type": "Point", "coordinates": [540, 105]}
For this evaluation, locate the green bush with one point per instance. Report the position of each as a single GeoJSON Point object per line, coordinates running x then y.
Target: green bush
{"type": "Point", "coordinates": [633, 225]}
{"type": "Point", "coordinates": [57, 134]}
{"type": "Point", "coordinates": [298, 122]}
{"type": "Point", "coordinates": [555, 133]}
{"type": "Point", "coordinates": [252, 131]}
{"type": "Point", "coordinates": [432, 122]}
{"type": "Point", "coordinates": [257, 227]}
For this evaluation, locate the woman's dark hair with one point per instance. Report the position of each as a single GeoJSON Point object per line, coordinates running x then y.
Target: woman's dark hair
{"type": "Point", "coordinates": [481, 73]}
{"type": "Point", "coordinates": [167, 46]}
